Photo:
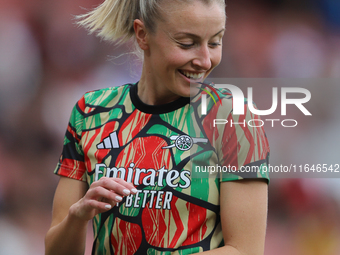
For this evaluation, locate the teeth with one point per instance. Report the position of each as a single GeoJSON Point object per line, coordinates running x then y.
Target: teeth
{"type": "Point", "coordinates": [194, 76]}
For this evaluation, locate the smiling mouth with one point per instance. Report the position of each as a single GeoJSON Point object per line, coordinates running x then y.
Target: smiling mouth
{"type": "Point", "coordinates": [193, 76]}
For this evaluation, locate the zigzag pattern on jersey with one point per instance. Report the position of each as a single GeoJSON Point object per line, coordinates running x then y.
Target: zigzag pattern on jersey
{"type": "Point", "coordinates": [106, 128]}
{"type": "Point", "coordinates": [128, 136]}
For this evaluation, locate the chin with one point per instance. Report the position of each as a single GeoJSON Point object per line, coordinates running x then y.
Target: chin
{"type": "Point", "coordinates": [185, 91]}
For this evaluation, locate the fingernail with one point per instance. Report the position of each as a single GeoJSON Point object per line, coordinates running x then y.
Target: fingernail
{"type": "Point", "coordinates": [118, 198]}
{"type": "Point", "coordinates": [108, 206]}
{"type": "Point", "coordinates": [126, 192]}
{"type": "Point", "coordinates": [134, 190]}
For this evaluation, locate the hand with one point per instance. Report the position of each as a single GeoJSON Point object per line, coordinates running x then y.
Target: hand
{"type": "Point", "coordinates": [101, 197]}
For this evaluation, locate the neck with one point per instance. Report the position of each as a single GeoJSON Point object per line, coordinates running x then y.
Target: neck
{"type": "Point", "coordinates": [152, 92]}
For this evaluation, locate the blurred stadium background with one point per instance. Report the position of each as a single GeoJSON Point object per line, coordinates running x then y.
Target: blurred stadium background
{"type": "Point", "coordinates": [47, 63]}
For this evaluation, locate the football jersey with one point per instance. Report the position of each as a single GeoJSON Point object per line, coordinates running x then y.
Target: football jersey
{"type": "Point", "coordinates": [171, 153]}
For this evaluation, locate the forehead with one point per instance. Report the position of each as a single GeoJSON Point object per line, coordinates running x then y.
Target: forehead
{"type": "Point", "coordinates": [192, 15]}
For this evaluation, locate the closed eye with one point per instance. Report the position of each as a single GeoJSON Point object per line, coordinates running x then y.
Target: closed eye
{"type": "Point", "coordinates": [213, 45]}
{"type": "Point", "coordinates": [186, 46]}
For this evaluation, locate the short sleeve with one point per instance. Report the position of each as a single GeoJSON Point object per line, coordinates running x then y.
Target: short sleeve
{"type": "Point", "coordinates": [71, 163]}
{"type": "Point", "coordinates": [244, 148]}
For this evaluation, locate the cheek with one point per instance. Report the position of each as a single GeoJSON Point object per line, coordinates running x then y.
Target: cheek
{"type": "Point", "coordinates": [216, 57]}
{"type": "Point", "coordinates": [176, 59]}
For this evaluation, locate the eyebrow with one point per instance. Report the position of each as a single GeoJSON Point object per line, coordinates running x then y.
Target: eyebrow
{"type": "Point", "coordinates": [196, 36]}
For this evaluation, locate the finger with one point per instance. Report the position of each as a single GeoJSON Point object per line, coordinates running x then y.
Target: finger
{"type": "Point", "coordinates": [100, 193]}
{"type": "Point", "coordinates": [127, 185]}
{"type": "Point", "coordinates": [111, 202]}
{"type": "Point", "coordinates": [100, 206]}
{"type": "Point", "coordinates": [117, 185]}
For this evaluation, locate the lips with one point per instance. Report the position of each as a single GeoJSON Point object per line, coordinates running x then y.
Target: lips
{"type": "Point", "coordinates": [193, 76]}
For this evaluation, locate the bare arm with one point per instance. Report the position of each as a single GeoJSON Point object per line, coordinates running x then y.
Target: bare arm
{"type": "Point", "coordinates": [66, 235]}
{"type": "Point", "coordinates": [243, 217]}
{"type": "Point", "coordinates": [74, 205]}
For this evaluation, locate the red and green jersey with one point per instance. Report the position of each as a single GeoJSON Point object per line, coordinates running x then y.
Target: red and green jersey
{"type": "Point", "coordinates": [164, 151]}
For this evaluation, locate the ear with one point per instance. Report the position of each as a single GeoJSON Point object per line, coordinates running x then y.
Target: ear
{"type": "Point", "coordinates": [141, 34]}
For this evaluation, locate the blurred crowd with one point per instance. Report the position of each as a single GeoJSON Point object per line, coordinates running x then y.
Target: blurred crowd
{"type": "Point", "coordinates": [47, 63]}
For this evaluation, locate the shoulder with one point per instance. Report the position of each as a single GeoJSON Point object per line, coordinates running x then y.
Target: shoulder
{"type": "Point", "coordinates": [100, 96]}
{"type": "Point", "coordinates": [220, 102]}
{"type": "Point", "coordinates": [236, 103]}
{"type": "Point", "coordinates": [225, 95]}
{"type": "Point", "coordinates": [104, 98]}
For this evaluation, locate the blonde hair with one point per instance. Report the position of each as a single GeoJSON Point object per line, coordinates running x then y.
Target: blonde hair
{"type": "Point", "coordinates": [113, 19]}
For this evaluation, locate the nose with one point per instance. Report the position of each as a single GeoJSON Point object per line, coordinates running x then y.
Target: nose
{"type": "Point", "coordinates": [203, 58]}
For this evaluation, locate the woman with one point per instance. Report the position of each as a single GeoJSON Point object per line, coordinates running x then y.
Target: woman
{"type": "Point", "coordinates": [130, 152]}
